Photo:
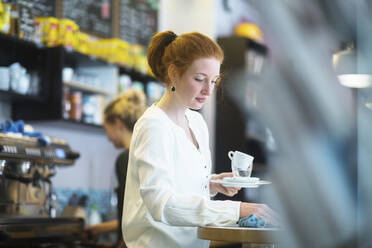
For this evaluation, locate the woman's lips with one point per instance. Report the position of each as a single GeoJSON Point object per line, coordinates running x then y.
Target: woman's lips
{"type": "Point", "coordinates": [201, 99]}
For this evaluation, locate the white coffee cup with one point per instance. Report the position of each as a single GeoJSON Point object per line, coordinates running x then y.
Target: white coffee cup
{"type": "Point", "coordinates": [4, 78]}
{"type": "Point", "coordinates": [67, 74]}
{"type": "Point", "coordinates": [241, 164]}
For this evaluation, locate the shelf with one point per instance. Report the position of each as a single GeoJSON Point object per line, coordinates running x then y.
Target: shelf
{"type": "Point", "coordinates": [136, 75]}
{"type": "Point", "coordinates": [92, 60]}
{"type": "Point", "coordinates": [87, 88]}
{"type": "Point", "coordinates": [82, 123]}
{"type": "Point", "coordinates": [84, 58]}
{"type": "Point", "coordinates": [67, 125]}
{"type": "Point", "coordinates": [87, 59]}
{"type": "Point", "coordinates": [20, 42]}
{"type": "Point", "coordinates": [48, 63]}
{"type": "Point", "coordinates": [13, 96]}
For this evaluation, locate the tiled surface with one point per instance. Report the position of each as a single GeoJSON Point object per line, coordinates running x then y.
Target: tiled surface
{"type": "Point", "coordinates": [105, 200]}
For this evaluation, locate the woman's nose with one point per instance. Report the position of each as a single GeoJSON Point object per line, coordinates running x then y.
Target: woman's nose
{"type": "Point", "coordinates": [208, 88]}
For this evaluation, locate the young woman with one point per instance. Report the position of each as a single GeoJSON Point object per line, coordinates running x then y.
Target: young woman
{"type": "Point", "coordinates": [168, 186]}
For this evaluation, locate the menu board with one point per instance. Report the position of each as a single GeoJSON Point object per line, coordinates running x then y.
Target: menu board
{"type": "Point", "coordinates": [93, 16]}
{"type": "Point", "coordinates": [26, 19]}
{"type": "Point", "coordinates": [27, 10]}
{"type": "Point", "coordinates": [44, 7]}
{"type": "Point", "coordinates": [138, 20]}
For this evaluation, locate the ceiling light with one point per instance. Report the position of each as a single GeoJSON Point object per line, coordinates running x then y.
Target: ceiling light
{"type": "Point", "coordinates": [355, 80]}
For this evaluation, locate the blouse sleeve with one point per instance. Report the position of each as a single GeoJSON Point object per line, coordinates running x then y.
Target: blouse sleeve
{"type": "Point", "coordinates": [153, 160]}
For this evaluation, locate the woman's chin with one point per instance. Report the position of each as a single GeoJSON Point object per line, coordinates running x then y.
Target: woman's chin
{"type": "Point", "coordinates": [196, 106]}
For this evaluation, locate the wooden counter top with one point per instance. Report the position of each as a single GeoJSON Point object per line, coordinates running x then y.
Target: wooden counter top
{"type": "Point", "coordinates": [239, 234]}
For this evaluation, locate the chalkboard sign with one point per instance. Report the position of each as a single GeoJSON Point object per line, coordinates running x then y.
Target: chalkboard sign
{"type": "Point", "coordinates": [26, 19]}
{"type": "Point", "coordinates": [138, 20]}
{"type": "Point", "coordinates": [93, 16]}
{"type": "Point", "coordinates": [44, 7]}
{"type": "Point", "coordinates": [27, 10]}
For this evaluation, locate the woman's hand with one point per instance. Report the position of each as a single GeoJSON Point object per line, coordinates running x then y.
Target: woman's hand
{"type": "Point", "coordinates": [217, 187]}
{"type": "Point", "coordinates": [261, 211]}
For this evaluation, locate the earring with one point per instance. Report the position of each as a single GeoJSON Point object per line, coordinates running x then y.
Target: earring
{"type": "Point", "coordinates": [173, 89]}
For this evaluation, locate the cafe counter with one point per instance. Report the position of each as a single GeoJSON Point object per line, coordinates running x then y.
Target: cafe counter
{"type": "Point", "coordinates": [245, 236]}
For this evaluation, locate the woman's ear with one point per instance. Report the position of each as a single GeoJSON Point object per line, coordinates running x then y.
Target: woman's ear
{"type": "Point", "coordinates": [118, 124]}
{"type": "Point", "coordinates": [172, 73]}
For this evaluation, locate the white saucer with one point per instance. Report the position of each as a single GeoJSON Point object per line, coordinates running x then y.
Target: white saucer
{"type": "Point", "coordinates": [241, 184]}
{"type": "Point", "coordinates": [241, 179]}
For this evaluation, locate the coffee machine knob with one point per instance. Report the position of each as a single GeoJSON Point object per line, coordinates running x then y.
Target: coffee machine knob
{"type": "Point", "coordinates": [72, 155]}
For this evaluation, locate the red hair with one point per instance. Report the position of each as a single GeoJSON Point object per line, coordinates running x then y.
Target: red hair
{"type": "Point", "coordinates": [167, 48]}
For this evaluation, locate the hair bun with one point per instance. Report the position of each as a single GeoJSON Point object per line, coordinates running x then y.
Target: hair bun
{"type": "Point", "coordinates": [136, 97]}
{"type": "Point", "coordinates": [156, 51]}
{"type": "Point", "coordinates": [171, 37]}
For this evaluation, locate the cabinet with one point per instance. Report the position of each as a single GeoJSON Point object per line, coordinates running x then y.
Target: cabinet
{"type": "Point", "coordinates": [33, 59]}
{"type": "Point", "coordinates": [93, 77]}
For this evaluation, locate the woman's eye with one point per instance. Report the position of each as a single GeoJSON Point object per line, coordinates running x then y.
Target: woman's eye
{"type": "Point", "coordinates": [199, 79]}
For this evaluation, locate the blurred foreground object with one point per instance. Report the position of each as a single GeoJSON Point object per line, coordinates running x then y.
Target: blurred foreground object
{"type": "Point", "coordinates": [249, 30]}
{"type": "Point", "coordinates": [314, 121]}
{"type": "Point", "coordinates": [345, 65]}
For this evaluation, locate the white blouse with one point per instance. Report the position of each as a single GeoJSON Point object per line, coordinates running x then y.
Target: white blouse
{"type": "Point", "coordinates": [167, 189]}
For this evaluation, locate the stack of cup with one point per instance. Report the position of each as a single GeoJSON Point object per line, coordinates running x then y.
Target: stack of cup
{"type": "Point", "coordinates": [4, 78]}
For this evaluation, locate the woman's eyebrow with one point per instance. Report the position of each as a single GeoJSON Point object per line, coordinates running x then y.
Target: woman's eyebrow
{"type": "Point", "coordinates": [201, 73]}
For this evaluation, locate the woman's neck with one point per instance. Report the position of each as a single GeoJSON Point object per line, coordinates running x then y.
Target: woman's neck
{"type": "Point", "coordinates": [173, 108]}
{"type": "Point", "coordinates": [126, 135]}
{"type": "Point", "coordinates": [127, 141]}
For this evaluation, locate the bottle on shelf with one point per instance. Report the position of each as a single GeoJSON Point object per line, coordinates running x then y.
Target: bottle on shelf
{"type": "Point", "coordinates": [66, 104]}
{"type": "Point", "coordinates": [14, 20]}
{"type": "Point", "coordinates": [94, 216]}
{"type": "Point", "coordinates": [76, 110]}
{"type": "Point", "coordinates": [5, 17]}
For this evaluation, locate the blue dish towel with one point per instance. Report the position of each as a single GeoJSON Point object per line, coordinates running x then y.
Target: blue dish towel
{"type": "Point", "coordinates": [18, 127]}
{"type": "Point", "coordinates": [252, 221]}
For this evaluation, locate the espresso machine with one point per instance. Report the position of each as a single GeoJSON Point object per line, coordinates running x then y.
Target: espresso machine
{"type": "Point", "coordinates": [27, 203]}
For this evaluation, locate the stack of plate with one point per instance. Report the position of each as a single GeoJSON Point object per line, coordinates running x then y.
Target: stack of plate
{"type": "Point", "coordinates": [241, 182]}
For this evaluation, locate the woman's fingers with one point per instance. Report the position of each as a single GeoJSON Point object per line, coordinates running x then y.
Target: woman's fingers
{"type": "Point", "coordinates": [262, 211]}
{"type": "Point", "coordinates": [226, 174]}
{"type": "Point", "coordinates": [232, 191]}
{"type": "Point", "coordinates": [222, 175]}
{"type": "Point", "coordinates": [271, 216]}
{"type": "Point", "coordinates": [229, 191]}
{"type": "Point", "coordinates": [266, 216]}
{"type": "Point", "coordinates": [274, 215]}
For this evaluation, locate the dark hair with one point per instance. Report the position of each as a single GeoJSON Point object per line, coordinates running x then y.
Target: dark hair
{"type": "Point", "coordinates": [167, 48]}
{"type": "Point", "coordinates": [127, 108]}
